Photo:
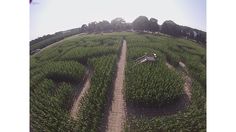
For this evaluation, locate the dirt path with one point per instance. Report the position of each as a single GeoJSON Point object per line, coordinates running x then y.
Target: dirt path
{"type": "Point", "coordinates": [187, 81]}
{"type": "Point", "coordinates": [76, 105]}
{"type": "Point", "coordinates": [117, 115]}
{"type": "Point", "coordinates": [187, 86]}
{"type": "Point", "coordinates": [169, 66]}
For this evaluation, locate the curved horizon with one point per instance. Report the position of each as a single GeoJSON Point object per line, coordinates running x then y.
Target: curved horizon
{"type": "Point", "coordinates": [48, 17]}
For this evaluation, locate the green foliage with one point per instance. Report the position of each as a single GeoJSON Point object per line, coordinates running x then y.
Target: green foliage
{"type": "Point", "coordinates": [64, 71]}
{"type": "Point", "coordinates": [44, 41]}
{"type": "Point", "coordinates": [55, 71]}
{"type": "Point", "coordinates": [171, 28]}
{"type": "Point", "coordinates": [153, 25]}
{"type": "Point", "coordinates": [152, 84]}
{"type": "Point", "coordinates": [81, 53]}
{"type": "Point", "coordinates": [63, 95]}
{"type": "Point", "coordinates": [172, 58]}
{"type": "Point", "coordinates": [193, 118]}
{"type": "Point", "coordinates": [135, 52]}
{"type": "Point", "coordinates": [93, 105]}
{"type": "Point", "coordinates": [141, 23]}
{"type": "Point", "coordinates": [47, 112]}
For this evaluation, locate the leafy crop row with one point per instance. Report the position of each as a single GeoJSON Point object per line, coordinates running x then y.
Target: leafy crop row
{"type": "Point", "coordinates": [64, 71]}
{"type": "Point", "coordinates": [56, 73]}
{"type": "Point", "coordinates": [152, 84]}
{"type": "Point", "coordinates": [51, 97]}
{"type": "Point", "coordinates": [86, 52]}
{"type": "Point", "coordinates": [172, 50]}
{"type": "Point", "coordinates": [193, 119]}
{"type": "Point", "coordinates": [93, 106]}
{"type": "Point", "coordinates": [48, 111]}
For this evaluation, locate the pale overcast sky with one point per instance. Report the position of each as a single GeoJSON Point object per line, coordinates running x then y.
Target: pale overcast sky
{"type": "Point", "coordinates": [50, 16]}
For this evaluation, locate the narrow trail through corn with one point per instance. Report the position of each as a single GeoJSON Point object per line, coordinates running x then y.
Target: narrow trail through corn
{"type": "Point", "coordinates": [76, 104]}
{"type": "Point", "coordinates": [117, 112]}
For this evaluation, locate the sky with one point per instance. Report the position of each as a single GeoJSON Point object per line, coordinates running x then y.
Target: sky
{"type": "Point", "coordinates": [50, 16]}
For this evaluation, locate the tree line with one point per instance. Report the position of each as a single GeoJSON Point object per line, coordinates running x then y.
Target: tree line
{"type": "Point", "coordinates": [140, 24]}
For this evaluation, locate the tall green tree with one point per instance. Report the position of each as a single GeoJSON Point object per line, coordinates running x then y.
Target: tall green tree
{"type": "Point", "coordinates": [118, 24]}
{"type": "Point", "coordinates": [91, 27]}
{"type": "Point", "coordinates": [84, 28]}
{"type": "Point", "coordinates": [171, 28]}
{"type": "Point", "coordinates": [141, 23]}
{"type": "Point", "coordinates": [103, 26]}
{"type": "Point", "coordinates": [153, 25]}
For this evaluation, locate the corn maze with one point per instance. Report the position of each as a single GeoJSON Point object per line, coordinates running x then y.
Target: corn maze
{"type": "Point", "coordinates": [58, 73]}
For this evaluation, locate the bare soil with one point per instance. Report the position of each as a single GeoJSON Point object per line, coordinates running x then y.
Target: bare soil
{"type": "Point", "coordinates": [169, 66]}
{"type": "Point", "coordinates": [186, 78]}
{"type": "Point", "coordinates": [117, 111]}
{"type": "Point", "coordinates": [76, 104]}
{"type": "Point", "coordinates": [187, 86]}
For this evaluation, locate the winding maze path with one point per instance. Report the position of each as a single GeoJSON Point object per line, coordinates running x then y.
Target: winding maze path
{"type": "Point", "coordinates": [76, 104]}
{"type": "Point", "coordinates": [187, 81]}
{"type": "Point", "coordinates": [118, 110]}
